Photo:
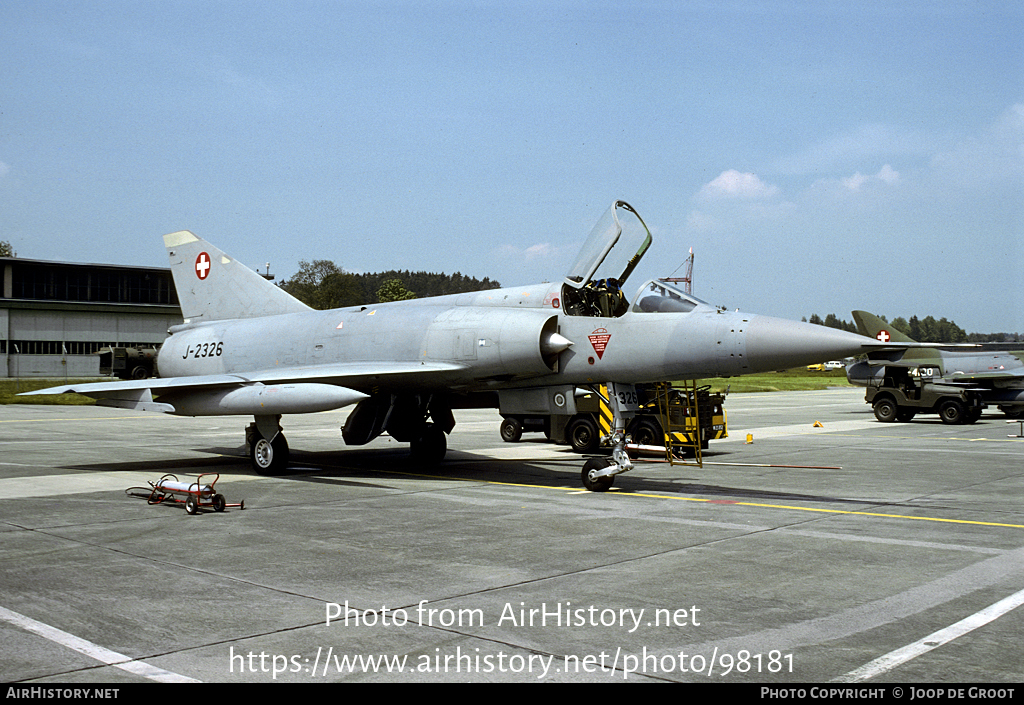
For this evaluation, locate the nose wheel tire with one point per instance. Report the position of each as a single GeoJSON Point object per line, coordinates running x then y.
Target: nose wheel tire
{"type": "Point", "coordinates": [597, 484]}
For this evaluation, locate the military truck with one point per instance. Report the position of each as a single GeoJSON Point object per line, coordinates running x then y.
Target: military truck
{"type": "Point", "coordinates": [588, 420]}
{"type": "Point", "coordinates": [903, 392]}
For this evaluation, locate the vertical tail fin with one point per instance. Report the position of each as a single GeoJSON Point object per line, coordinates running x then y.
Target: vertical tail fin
{"type": "Point", "coordinates": [874, 327]}
{"type": "Point", "coordinates": [214, 287]}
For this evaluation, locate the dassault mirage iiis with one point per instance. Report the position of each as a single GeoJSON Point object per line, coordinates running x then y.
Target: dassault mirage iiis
{"type": "Point", "coordinates": [248, 348]}
{"type": "Point", "coordinates": [997, 376]}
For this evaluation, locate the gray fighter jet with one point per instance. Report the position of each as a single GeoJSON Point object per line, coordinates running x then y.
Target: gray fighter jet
{"type": "Point", "coordinates": [997, 375]}
{"type": "Point", "coordinates": [248, 348]}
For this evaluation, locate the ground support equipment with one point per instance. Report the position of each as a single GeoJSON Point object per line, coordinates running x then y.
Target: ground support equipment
{"type": "Point", "coordinates": [194, 495]}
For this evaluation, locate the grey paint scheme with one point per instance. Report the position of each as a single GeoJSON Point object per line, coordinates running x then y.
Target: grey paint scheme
{"type": "Point", "coordinates": [416, 359]}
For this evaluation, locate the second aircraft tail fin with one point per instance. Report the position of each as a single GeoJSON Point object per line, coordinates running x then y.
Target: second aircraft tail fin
{"type": "Point", "coordinates": [214, 287]}
{"type": "Point", "coordinates": [874, 327]}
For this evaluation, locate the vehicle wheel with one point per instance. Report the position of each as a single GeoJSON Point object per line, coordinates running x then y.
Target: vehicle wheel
{"type": "Point", "coordinates": [582, 434]}
{"type": "Point", "coordinates": [973, 414]}
{"type": "Point", "coordinates": [600, 484]}
{"type": "Point", "coordinates": [191, 505]}
{"type": "Point", "coordinates": [648, 433]}
{"type": "Point", "coordinates": [952, 411]}
{"type": "Point", "coordinates": [905, 415]}
{"type": "Point", "coordinates": [431, 447]}
{"type": "Point", "coordinates": [886, 410]}
{"type": "Point", "coordinates": [1012, 412]}
{"type": "Point", "coordinates": [269, 458]}
{"type": "Point", "coordinates": [140, 372]}
{"type": "Point", "coordinates": [219, 503]}
{"type": "Point", "coordinates": [511, 430]}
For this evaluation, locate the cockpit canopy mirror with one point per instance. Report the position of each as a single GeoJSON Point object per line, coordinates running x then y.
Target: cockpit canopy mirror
{"type": "Point", "coordinates": [621, 229]}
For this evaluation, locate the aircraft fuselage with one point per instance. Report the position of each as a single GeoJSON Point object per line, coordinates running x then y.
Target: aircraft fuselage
{"type": "Point", "coordinates": [496, 339]}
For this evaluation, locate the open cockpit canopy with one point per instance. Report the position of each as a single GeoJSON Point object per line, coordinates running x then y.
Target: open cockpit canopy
{"type": "Point", "coordinates": [615, 246]}
{"type": "Point", "coordinates": [621, 229]}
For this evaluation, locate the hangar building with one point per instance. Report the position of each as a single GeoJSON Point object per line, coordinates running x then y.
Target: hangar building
{"type": "Point", "coordinates": [55, 316]}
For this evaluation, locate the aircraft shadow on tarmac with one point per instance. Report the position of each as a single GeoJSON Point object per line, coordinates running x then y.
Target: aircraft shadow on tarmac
{"type": "Point", "coordinates": [358, 467]}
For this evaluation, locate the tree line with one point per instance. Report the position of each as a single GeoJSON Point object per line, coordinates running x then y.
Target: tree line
{"type": "Point", "coordinates": [923, 330]}
{"type": "Point", "coordinates": [322, 284]}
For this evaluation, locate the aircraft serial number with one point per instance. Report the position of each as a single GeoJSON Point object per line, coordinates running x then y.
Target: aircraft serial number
{"type": "Point", "coordinates": [212, 349]}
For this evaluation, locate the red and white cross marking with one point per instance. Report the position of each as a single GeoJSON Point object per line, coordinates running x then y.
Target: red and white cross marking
{"type": "Point", "coordinates": [203, 265]}
{"type": "Point", "coordinates": [884, 336]}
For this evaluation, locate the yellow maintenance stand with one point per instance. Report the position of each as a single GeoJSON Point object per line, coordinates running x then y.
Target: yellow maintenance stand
{"type": "Point", "coordinates": [691, 416]}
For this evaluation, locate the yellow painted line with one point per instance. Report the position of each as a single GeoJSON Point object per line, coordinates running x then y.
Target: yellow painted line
{"type": "Point", "coordinates": [677, 498]}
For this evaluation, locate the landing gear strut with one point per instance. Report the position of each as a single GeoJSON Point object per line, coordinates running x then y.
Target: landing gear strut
{"type": "Point", "coordinates": [599, 473]}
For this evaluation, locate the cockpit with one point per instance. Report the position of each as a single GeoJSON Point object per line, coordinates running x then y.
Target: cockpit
{"type": "Point", "coordinates": [657, 296]}
{"type": "Point", "coordinates": [615, 246]}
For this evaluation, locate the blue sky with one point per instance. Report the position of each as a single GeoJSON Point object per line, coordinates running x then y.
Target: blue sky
{"type": "Point", "coordinates": [818, 156]}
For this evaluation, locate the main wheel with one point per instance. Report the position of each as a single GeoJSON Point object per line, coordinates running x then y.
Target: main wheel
{"type": "Point", "coordinates": [952, 411]}
{"type": "Point", "coordinates": [582, 435]}
{"type": "Point", "coordinates": [886, 410]}
{"type": "Point", "coordinates": [269, 458]}
{"type": "Point", "coordinates": [598, 484]}
{"type": "Point", "coordinates": [511, 430]}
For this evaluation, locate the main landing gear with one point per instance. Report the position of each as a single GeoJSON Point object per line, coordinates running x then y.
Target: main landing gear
{"type": "Point", "coordinates": [422, 423]}
{"type": "Point", "coordinates": [268, 449]}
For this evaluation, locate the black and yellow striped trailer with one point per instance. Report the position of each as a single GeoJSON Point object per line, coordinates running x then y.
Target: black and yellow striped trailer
{"type": "Point", "coordinates": [668, 419]}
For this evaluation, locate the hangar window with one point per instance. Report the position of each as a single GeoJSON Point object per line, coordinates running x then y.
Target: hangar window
{"type": "Point", "coordinates": [82, 283]}
{"type": "Point", "coordinates": [62, 347]}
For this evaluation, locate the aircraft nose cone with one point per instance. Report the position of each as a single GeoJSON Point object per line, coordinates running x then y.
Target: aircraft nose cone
{"type": "Point", "coordinates": [778, 344]}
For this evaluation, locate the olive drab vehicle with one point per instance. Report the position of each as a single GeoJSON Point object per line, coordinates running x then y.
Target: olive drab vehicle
{"type": "Point", "coordinates": [924, 379]}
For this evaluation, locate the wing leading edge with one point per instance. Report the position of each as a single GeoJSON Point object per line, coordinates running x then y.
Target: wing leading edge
{"type": "Point", "coordinates": [263, 392]}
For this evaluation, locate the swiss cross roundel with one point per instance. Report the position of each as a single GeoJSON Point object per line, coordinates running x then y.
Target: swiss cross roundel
{"type": "Point", "coordinates": [203, 265]}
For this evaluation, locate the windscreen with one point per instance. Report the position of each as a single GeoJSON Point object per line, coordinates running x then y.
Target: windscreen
{"type": "Point", "coordinates": [658, 296]}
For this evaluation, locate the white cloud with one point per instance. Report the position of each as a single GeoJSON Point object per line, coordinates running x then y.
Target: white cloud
{"type": "Point", "coordinates": [886, 175]}
{"type": "Point", "coordinates": [543, 249]}
{"type": "Point", "coordinates": [734, 184]}
{"type": "Point", "coordinates": [866, 143]}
